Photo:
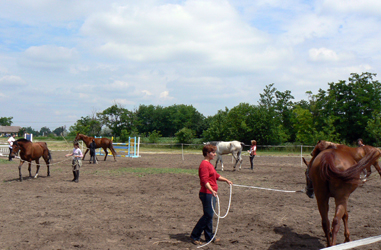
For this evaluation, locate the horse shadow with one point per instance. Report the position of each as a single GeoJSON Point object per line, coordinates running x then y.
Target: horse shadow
{"type": "Point", "coordinates": [25, 178]}
{"type": "Point", "coordinates": [292, 240]}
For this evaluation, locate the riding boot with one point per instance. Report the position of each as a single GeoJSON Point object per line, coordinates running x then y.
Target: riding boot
{"type": "Point", "coordinates": [75, 175]}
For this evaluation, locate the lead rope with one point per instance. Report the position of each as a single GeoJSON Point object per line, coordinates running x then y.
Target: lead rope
{"type": "Point", "coordinates": [230, 198]}
{"type": "Point", "coordinates": [218, 214]}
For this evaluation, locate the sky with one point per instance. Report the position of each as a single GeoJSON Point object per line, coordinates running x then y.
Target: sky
{"type": "Point", "coordinates": [61, 60]}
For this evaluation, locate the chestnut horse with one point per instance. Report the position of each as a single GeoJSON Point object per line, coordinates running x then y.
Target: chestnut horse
{"type": "Point", "coordinates": [31, 151]}
{"type": "Point", "coordinates": [104, 143]}
{"type": "Point", "coordinates": [335, 173]}
{"type": "Point", "coordinates": [357, 153]}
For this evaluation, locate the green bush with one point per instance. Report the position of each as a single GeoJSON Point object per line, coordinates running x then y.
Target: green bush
{"type": "Point", "coordinates": [154, 136]}
{"type": "Point", "coordinates": [185, 135]}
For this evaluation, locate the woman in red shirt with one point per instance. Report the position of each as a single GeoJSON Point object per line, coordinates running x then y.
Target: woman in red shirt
{"type": "Point", "coordinates": [208, 193]}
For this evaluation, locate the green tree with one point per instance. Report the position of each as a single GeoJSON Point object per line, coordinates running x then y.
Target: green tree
{"type": "Point", "coordinates": [30, 130]}
{"type": "Point", "coordinates": [6, 121]}
{"type": "Point", "coordinates": [45, 131]}
{"type": "Point", "coordinates": [185, 135]}
{"type": "Point", "coordinates": [117, 118]}
{"type": "Point", "coordinates": [60, 131]}
{"type": "Point", "coordinates": [86, 125]}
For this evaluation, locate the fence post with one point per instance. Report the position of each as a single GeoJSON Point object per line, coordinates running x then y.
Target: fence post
{"type": "Point", "coordinates": [301, 155]}
{"type": "Point", "coordinates": [182, 151]}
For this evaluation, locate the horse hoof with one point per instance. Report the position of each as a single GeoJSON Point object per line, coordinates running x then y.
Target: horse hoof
{"type": "Point", "coordinates": [35, 177]}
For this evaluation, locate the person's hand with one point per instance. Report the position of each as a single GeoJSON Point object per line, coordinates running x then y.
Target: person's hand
{"type": "Point", "coordinates": [214, 193]}
{"type": "Point", "coordinates": [229, 182]}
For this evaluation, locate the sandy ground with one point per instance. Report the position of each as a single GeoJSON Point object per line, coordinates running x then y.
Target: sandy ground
{"type": "Point", "coordinates": [117, 205]}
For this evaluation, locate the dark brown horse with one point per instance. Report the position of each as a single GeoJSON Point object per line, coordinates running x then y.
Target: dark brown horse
{"type": "Point", "coordinates": [357, 153]}
{"type": "Point", "coordinates": [31, 151]}
{"type": "Point", "coordinates": [335, 173]}
{"type": "Point", "coordinates": [104, 143]}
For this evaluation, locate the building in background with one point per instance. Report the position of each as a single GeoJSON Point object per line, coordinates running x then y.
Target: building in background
{"type": "Point", "coordinates": [8, 130]}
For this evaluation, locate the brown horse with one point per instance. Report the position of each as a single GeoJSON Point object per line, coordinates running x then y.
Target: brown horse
{"type": "Point", "coordinates": [335, 173]}
{"type": "Point", "coordinates": [357, 153]}
{"type": "Point", "coordinates": [104, 143]}
{"type": "Point", "coordinates": [29, 152]}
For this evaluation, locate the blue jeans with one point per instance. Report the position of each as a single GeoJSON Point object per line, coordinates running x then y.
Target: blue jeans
{"type": "Point", "coordinates": [205, 223]}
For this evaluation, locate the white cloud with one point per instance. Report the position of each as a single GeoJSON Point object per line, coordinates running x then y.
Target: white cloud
{"type": "Point", "coordinates": [12, 80]}
{"type": "Point", "coordinates": [165, 95]}
{"type": "Point", "coordinates": [323, 54]}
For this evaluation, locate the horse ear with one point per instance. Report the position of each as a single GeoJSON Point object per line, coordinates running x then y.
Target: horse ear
{"type": "Point", "coordinates": [305, 161]}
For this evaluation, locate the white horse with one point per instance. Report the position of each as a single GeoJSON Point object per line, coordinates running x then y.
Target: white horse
{"type": "Point", "coordinates": [227, 147]}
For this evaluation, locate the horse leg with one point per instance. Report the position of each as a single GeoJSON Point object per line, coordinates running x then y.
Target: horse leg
{"type": "Point", "coordinates": [377, 167]}
{"type": "Point", "coordinates": [20, 176]}
{"type": "Point", "coordinates": [47, 165]}
{"type": "Point", "coordinates": [106, 153]}
{"type": "Point", "coordinates": [87, 150]}
{"type": "Point", "coordinates": [346, 228]}
{"type": "Point", "coordinates": [38, 168]}
{"type": "Point", "coordinates": [340, 211]}
{"type": "Point", "coordinates": [323, 205]}
{"type": "Point", "coordinates": [30, 169]}
{"type": "Point", "coordinates": [222, 163]}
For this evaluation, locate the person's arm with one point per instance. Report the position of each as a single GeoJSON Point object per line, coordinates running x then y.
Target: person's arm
{"type": "Point", "coordinates": [207, 185]}
{"type": "Point", "coordinates": [225, 180]}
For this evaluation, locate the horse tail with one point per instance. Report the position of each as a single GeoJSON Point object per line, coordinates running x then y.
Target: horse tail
{"type": "Point", "coordinates": [50, 156]}
{"type": "Point", "coordinates": [350, 175]}
{"type": "Point", "coordinates": [112, 149]}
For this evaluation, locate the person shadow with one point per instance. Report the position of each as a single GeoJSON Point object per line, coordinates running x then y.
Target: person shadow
{"type": "Point", "coordinates": [184, 237]}
{"type": "Point", "coordinates": [292, 240]}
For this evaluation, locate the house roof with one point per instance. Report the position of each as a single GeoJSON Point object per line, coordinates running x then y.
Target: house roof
{"type": "Point", "coordinates": [9, 129]}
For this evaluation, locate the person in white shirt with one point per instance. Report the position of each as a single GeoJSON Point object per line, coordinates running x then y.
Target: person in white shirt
{"type": "Point", "coordinates": [10, 142]}
{"type": "Point", "coordinates": [77, 161]}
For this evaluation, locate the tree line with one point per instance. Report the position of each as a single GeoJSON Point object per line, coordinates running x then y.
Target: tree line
{"type": "Point", "coordinates": [344, 112]}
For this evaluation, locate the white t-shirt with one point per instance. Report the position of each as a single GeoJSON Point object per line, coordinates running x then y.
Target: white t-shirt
{"type": "Point", "coordinates": [10, 141]}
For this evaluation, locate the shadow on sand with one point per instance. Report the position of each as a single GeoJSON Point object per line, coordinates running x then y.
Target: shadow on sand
{"type": "Point", "coordinates": [291, 240]}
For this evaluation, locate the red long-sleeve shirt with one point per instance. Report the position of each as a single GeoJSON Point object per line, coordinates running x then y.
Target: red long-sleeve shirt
{"type": "Point", "coordinates": [207, 173]}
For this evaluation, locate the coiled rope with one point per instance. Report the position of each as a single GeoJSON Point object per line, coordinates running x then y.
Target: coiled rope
{"type": "Point", "coordinates": [230, 198]}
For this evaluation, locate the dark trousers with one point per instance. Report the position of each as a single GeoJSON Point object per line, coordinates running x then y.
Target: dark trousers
{"type": "Point", "coordinates": [10, 152]}
{"type": "Point", "coordinates": [251, 161]}
{"type": "Point", "coordinates": [205, 223]}
{"type": "Point", "coordinates": [92, 157]}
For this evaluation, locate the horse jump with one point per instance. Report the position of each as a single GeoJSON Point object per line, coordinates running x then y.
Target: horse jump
{"type": "Point", "coordinates": [104, 143]}
{"type": "Point", "coordinates": [227, 147]}
{"type": "Point", "coordinates": [31, 151]}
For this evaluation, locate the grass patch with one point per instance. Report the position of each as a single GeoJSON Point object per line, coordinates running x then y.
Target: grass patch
{"type": "Point", "coordinates": [148, 171]}
{"type": "Point", "coordinates": [5, 161]}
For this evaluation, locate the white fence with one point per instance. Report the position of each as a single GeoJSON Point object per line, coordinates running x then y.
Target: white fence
{"type": "Point", "coordinates": [4, 150]}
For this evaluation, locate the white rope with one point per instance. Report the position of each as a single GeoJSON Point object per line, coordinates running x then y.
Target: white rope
{"type": "Point", "coordinates": [35, 164]}
{"type": "Point", "coordinates": [218, 215]}
{"type": "Point", "coordinates": [230, 198]}
{"type": "Point", "coordinates": [356, 243]}
{"type": "Point", "coordinates": [270, 189]}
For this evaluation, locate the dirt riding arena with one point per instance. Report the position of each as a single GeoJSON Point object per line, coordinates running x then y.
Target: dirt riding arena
{"type": "Point", "coordinates": [118, 205]}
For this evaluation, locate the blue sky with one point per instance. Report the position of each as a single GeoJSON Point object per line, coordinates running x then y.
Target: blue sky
{"type": "Point", "coordinates": [63, 60]}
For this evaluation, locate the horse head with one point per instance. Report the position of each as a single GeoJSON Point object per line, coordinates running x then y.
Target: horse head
{"type": "Point", "coordinates": [309, 186]}
{"type": "Point", "coordinates": [78, 137]}
{"type": "Point", "coordinates": [15, 149]}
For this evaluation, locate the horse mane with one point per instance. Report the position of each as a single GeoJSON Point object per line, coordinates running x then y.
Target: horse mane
{"type": "Point", "coordinates": [350, 175]}
{"type": "Point", "coordinates": [23, 140]}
